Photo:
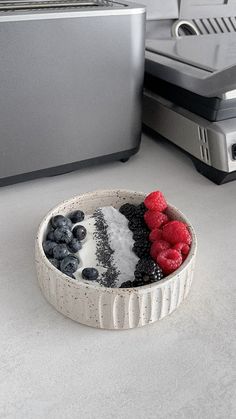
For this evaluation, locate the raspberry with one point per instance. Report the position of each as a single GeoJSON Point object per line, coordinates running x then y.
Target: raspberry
{"type": "Point", "coordinates": [169, 260]}
{"type": "Point", "coordinates": [155, 234]}
{"type": "Point", "coordinates": [155, 219]}
{"type": "Point", "coordinates": [155, 201]}
{"type": "Point", "coordinates": [183, 248]}
{"type": "Point", "coordinates": [157, 247]}
{"type": "Point", "coordinates": [175, 232]}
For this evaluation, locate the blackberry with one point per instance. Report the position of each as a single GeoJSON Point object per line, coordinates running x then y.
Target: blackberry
{"type": "Point", "coordinates": [141, 248]}
{"type": "Point", "coordinates": [139, 283]}
{"type": "Point", "coordinates": [136, 223]}
{"type": "Point", "coordinates": [140, 210]}
{"type": "Point", "coordinates": [127, 284]}
{"type": "Point", "coordinates": [148, 271]}
{"type": "Point", "coordinates": [145, 264]}
{"type": "Point", "coordinates": [128, 210]}
{"type": "Point", "coordinates": [140, 234]}
{"type": "Point", "coordinates": [132, 284]}
{"type": "Point", "coordinates": [141, 277]}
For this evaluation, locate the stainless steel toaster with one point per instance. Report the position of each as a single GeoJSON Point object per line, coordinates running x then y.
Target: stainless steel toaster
{"type": "Point", "coordinates": [71, 75]}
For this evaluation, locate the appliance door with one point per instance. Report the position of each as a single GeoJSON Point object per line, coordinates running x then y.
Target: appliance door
{"type": "Point", "coordinates": [70, 89]}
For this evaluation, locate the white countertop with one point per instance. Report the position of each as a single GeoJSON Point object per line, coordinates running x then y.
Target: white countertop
{"type": "Point", "coordinates": [180, 367]}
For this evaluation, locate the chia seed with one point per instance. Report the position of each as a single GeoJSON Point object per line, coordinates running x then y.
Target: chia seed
{"type": "Point", "coordinates": [104, 253]}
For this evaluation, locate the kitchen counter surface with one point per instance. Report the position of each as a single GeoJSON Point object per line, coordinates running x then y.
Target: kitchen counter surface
{"type": "Point", "coordinates": [180, 367]}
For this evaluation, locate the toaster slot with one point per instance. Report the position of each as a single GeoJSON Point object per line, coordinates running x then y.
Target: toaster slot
{"type": "Point", "coordinates": [52, 4]}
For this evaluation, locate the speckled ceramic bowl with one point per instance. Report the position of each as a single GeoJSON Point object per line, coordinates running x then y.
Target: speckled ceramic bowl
{"type": "Point", "coordinates": [111, 308]}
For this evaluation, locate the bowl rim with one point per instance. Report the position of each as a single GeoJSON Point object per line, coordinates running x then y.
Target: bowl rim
{"type": "Point", "coordinates": [95, 286]}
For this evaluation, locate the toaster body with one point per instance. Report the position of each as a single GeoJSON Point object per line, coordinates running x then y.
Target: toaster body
{"type": "Point", "coordinates": [70, 86]}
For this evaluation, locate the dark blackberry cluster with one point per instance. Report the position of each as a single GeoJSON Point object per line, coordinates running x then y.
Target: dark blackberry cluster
{"type": "Point", "coordinates": [130, 284]}
{"type": "Point", "coordinates": [141, 248]}
{"type": "Point", "coordinates": [136, 224]}
{"type": "Point", "coordinates": [127, 284]}
{"type": "Point", "coordinates": [140, 210]}
{"type": "Point", "coordinates": [147, 271]}
{"type": "Point", "coordinates": [133, 211]}
{"type": "Point", "coordinates": [141, 234]}
{"type": "Point", "coordinates": [128, 210]}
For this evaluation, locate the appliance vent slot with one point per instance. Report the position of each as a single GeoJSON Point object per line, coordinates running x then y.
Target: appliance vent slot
{"type": "Point", "coordinates": [54, 4]}
{"type": "Point", "coordinates": [202, 152]}
{"type": "Point", "coordinates": [215, 25]}
{"type": "Point", "coordinates": [203, 143]}
{"type": "Point", "coordinates": [202, 135]}
{"type": "Point", "coordinates": [206, 154]}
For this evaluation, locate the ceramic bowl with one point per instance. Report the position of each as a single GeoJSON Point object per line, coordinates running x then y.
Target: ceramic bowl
{"type": "Point", "coordinates": [111, 308]}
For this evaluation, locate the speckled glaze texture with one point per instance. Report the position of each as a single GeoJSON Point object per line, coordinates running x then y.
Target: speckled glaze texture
{"type": "Point", "coordinates": [111, 308]}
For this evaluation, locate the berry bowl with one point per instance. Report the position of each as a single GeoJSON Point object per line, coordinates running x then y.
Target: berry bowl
{"type": "Point", "coordinates": [104, 307]}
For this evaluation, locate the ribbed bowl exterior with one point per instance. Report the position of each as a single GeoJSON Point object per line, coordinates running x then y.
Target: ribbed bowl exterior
{"type": "Point", "coordinates": [111, 308]}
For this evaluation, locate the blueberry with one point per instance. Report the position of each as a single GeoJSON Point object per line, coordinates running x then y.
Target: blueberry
{"type": "Point", "coordinates": [76, 258]}
{"type": "Point", "coordinates": [55, 263]}
{"type": "Point", "coordinates": [79, 232]}
{"type": "Point", "coordinates": [69, 223]}
{"type": "Point", "coordinates": [48, 247]}
{"type": "Point", "coordinates": [50, 235]}
{"type": "Point", "coordinates": [91, 274]}
{"type": "Point", "coordinates": [74, 246]}
{"type": "Point", "coordinates": [76, 216]}
{"type": "Point", "coordinates": [69, 264]}
{"type": "Point", "coordinates": [60, 251]}
{"type": "Point", "coordinates": [63, 235]}
{"type": "Point", "coordinates": [61, 221]}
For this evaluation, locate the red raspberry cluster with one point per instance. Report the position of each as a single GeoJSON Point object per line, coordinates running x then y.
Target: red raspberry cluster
{"type": "Point", "coordinates": [170, 239]}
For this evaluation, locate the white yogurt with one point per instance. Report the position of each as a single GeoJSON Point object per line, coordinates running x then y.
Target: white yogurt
{"type": "Point", "coordinates": [120, 241]}
{"type": "Point", "coordinates": [87, 255]}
